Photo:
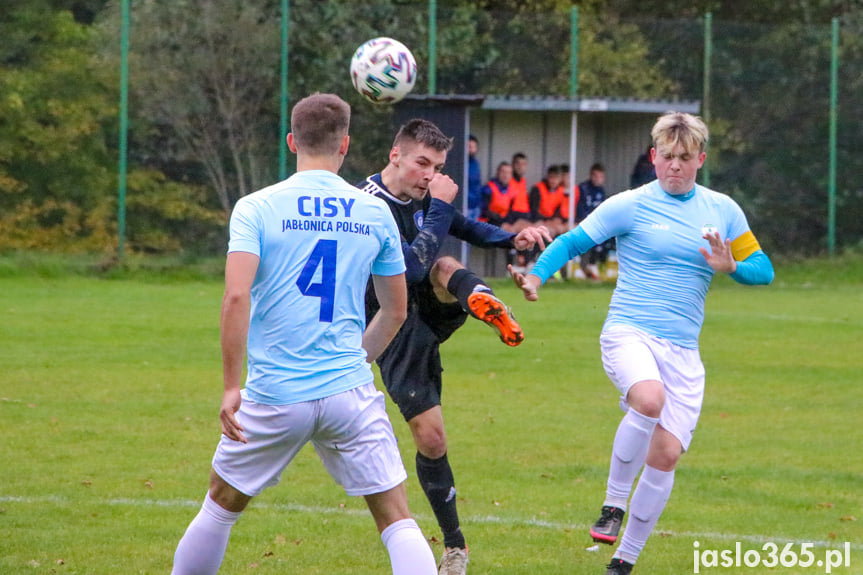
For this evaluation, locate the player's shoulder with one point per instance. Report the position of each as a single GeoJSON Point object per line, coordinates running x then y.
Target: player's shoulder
{"type": "Point", "coordinates": [368, 193]}
{"type": "Point", "coordinates": [372, 185]}
{"type": "Point", "coordinates": [253, 201]}
{"type": "Point", "coordinates": [719, 199]}
{"type": "Point", "coordinates": [632, 196]}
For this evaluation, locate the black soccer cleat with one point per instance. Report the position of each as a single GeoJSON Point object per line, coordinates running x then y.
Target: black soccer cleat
{"type": "Point", "coordinates": [607, 527]}
{"type": "Point", "coordinates": [619, 567]}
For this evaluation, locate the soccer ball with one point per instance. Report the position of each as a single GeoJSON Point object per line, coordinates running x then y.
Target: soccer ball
{"type": "Point", "coordinates": [383, 70]}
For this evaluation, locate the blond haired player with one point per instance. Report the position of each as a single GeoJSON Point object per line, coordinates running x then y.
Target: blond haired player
{"type": "Point", "coordinates": [673, 235]}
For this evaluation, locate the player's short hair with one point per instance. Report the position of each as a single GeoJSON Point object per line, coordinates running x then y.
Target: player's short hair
{"type": "Point", "coordinates": [678, 128]}
{"type": "Point", "coordinates": [419, 131]}
{"type": "Point", "coordinates": [519, 156]}
{"type": "Point", "coordinates": [553, 170]}
{"type": "Point", "coordinates": [503, 165]}
{"type": "Point", "coordinates": [597, 167]}
{"type": "Point", "coordinates": [319, 122]}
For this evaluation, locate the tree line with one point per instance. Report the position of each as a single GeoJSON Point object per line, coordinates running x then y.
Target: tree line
{"type": "Point", "coordinates": [204, 101]}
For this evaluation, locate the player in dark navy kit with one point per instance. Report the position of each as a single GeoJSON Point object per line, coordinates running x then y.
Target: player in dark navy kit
{"type": "Point", "coordinates": [441, 295]}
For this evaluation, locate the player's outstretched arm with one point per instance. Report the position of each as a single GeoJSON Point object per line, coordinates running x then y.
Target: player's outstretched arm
{"type": "Point", "coordinates": [240, 271]}
{"type": "Point", "coordinates": [392, 294]}
{"type": "Point", "coordinates": [527, 283]}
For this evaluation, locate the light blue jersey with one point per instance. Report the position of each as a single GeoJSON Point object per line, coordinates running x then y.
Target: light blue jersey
{"type": "Point", "coordinates": [663, 277]}
{"type": "Point", "coordinates": [318, 239]}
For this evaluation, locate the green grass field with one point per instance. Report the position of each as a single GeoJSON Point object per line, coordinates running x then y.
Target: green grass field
{"type": "Point", "coordinates": [111, 388]}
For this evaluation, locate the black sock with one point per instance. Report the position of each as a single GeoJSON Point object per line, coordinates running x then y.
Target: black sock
{"type": "Point", "coordinates": [462, 283]}
{"type": "Point", "coordinates": [435, 477]}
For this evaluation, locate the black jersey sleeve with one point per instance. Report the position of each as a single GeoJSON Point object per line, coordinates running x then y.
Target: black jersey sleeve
{"type": "Point", "coordinates": [480, 234]}
{"type": "Point", "coordinates": [420, 254]}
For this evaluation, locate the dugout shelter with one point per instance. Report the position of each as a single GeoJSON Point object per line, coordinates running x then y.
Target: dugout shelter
{"type": "Point", "coordinates": [549, 130]}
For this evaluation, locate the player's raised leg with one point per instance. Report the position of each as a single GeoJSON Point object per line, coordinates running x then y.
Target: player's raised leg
{"type": "Point", "coordinates": [453, 282]}
{"type": "Point", "coordinates": [632, 368]}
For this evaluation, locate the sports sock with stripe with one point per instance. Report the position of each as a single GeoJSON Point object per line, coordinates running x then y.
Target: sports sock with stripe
{"type": "Point", "coordinates": [464, 282]}
{"type": "Point", "coordinates": [436, 479]}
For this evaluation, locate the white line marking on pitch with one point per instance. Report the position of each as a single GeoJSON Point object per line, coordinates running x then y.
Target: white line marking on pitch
{"type": "Point", "coordinates": [487, 519]}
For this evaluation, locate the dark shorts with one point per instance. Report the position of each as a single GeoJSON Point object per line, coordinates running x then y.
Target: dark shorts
{"type": "Point", "coordinates": [411, 366]}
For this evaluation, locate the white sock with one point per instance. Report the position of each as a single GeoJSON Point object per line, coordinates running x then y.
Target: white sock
{"type": "Point", "coordinates": [409, 551]}
{"type": "Point", "coordinates": [648, 502]}
{"type": "Point", "coordinates": [627, 456]}
{"type": "Point", "coordinates": [202, 548]}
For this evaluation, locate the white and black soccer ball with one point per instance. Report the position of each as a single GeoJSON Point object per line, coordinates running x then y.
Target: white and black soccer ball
{"type": "Point", "coordinates": [383, 70]}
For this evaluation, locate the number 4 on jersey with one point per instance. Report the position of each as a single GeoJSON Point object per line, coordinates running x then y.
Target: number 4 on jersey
{"type": "Point", "coordinates": [324, 255]}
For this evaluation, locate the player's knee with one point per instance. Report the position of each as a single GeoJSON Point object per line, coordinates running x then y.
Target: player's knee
{"type": "Point", "coordinates": [647, 398]}
{"type": "Point", "coordinates": [431, 442]}
{"type": "Point", "coordinates": [651, 407]}
{"type": "Point", "coordinates": [664, 458]}
{"type": "Point", "coordinates": [443, 268]}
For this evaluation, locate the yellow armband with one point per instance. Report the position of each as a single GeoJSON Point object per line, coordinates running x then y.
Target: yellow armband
{"type": "Point", "coordinates": [744, 246]}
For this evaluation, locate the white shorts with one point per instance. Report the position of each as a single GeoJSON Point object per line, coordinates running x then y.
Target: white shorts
{"type": "Point", "coordinates": [350, 432]}
{"type": "Point", "coordinates": [630, 355]}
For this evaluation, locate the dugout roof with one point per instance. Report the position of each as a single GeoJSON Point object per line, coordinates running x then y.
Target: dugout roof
{"type": "Point", "coordinates": [549, 129]}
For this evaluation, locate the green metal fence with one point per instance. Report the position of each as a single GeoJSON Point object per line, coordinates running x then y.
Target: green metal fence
{"type": "Point", "coordinates": [766, 88]}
